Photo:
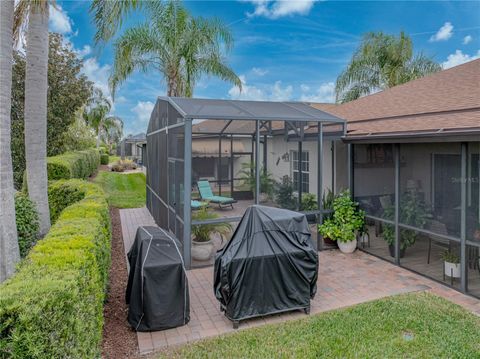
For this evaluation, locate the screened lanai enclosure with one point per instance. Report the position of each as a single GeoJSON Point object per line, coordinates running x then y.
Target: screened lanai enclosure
{"type": "Point", "coordinates": [208, 160]}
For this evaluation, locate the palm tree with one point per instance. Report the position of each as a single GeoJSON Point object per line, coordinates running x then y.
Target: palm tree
{"type": "Point", "coordinates": [380, 62]}
{"type": "Point", "coordinates": [9, 251]}
{"type": "Point", "coordinates": [37, 13]}
{"type": "Point", "coordinates": [181, 47]}
{"type": "Point", "coordinates": [107, 128]}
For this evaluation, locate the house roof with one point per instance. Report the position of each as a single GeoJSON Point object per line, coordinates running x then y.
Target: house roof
{"type": "Point", "coordinates": [444, 102]}
{"type": "Point", "coordinates": [213, 109]}
{"type": "Point", "coordinates": [136, 138]}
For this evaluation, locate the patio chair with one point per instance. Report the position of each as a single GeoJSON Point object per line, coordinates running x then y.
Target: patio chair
{"type": "Point", "coordinates": [441, 228]}
{"type": "Point", "coordinates": [207, 195]}
{"type": "Point", "coordinates": [196, 205]}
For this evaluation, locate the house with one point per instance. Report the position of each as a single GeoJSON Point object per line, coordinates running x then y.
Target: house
{"type": "Point", "coordinates": [410, 156]}
{"type": "Point", "coordinates": [133, 147]}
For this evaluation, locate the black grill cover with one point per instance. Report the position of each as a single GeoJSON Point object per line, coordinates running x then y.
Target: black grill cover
{"type": "Point", "coordinates": [269, 265]}
{"type": "Point", "coordinates": [157, 289]}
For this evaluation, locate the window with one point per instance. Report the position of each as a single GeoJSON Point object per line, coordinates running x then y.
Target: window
{"type": "Point", "coordinates": [305, 170]}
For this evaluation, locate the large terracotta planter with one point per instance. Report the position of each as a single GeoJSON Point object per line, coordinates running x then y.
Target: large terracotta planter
{"type": "Point", "coordinates": [347, 247]}
{"type": "Point", "coordinates": [202, 251]}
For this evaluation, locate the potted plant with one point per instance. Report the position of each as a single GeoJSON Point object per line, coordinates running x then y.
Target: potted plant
{"type": "Point", "coordinates": [327, 204]}
{"type": "Point", "coordinates": [309, 203]}
{"type": "Point", "coordinates": [347, 219]}
{"type": "Point", "coordinates": [412, 212]}
{"type": "Point", "coordinates": [267, 183]}
{"type": "Point", "coordinates": [363, 235]}
{"type": "Point", "coordinates": [284, 195]}
{"type": "Point", "coordinates": [202, 234]}
{"type": "Point", "coordinates": [451, 264]}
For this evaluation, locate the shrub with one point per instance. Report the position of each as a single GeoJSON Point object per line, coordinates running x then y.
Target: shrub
{"type": "Point", "coordinates": [80, 164]}
{"type": "Point", "coordinates": [285, 196]}
{"type": "Point", "coordinates": [27, 223]}
{"type": "Point", "coordinates": [123, 165]}
{"type": "Point", "coordinates": [52, 307]}
{"type": "Point", "coordinates": [104, 159]}
{"type": "Point", "coordinates": [62, 194]}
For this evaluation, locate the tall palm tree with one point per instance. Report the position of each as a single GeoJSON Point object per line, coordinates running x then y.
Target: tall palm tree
{"type": "Point", "coordinates": [9, 251]}
{"type": "Point", "coordinates": [182, 48]}
{"type": "Point", "coordinates": [380, 62]}
{"type": "Point", "coordinates": [96, 115]}
{"type": "Point", "coordinates": [37, 13]}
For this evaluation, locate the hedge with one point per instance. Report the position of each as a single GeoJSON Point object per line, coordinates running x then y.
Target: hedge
{"type": "Point", "coordinates": [80, 164]}
{"type": "Point", "coordinates": [52, 307]}
{"type": "Point", "coordinates": [27, 222]}
{"type": "Point", "coordinates": [104, 159]}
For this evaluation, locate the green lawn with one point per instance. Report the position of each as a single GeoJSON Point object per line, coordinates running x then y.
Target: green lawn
{"type": "Point", "coordinates": [123, 190]}
{"type": "Point", "coordinates": [416, 325]}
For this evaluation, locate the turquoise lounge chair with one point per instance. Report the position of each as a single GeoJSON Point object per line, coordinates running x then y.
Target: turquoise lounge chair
{"type": "Point", "coordinates": [207, 195]}
{"type": "Point", "coordinates": [195, 205]}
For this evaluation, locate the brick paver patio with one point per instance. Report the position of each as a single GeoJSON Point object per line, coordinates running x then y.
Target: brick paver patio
{"type": "Point", "coordinates": [343, 280]}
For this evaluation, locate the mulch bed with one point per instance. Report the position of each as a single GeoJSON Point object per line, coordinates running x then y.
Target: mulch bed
{"type": "Point", "coordinates": [119, 340]}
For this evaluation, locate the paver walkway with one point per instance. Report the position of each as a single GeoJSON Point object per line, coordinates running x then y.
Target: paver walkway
{"type": "Point", "coordinates": [343, 280]}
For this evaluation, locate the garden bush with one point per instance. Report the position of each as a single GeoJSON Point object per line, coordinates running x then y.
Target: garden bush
{"type": "Point", "coordinates": [27, 223]}
{"type": "Point", "coordinates": [80, 164]}
{"type": "Point", "coordinates": [52, 307]}
{"type": "Point", "coordinates": [104, 159]}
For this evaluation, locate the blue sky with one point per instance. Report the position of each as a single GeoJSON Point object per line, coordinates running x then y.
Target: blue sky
{"type": "Point", "coordinates": [284, 50]}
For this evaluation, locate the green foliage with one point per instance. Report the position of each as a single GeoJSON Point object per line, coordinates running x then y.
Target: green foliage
{"type": "Point", "coordinates": [450, 257]}
{"type": "Point", "coordinates": [123, 190]}
{"type": "Point", "coordinates": [68, 91]}
{"type": "Point", "coordinates": [79, 135]}
{"type": "Point", "coordinates": [53, 306]}
{"type": "Point", "coordinates": [80, 164]}
{"type": "Point", "coordinates": [204, 232]}
{"type": "Point", "coordinates": [375, 329]}
{"type": "Point", "coordinates": [309, 202]}
{"type": "Point", "coordinates": [104, 159]}
{"type": "Point", "coordinates": [327, 199]}
{"type": "Point", "coordinates": [27, 223]}
{"type": "Point", "coordinates": [380, 62]}
{"type": "Point", "coordinates": [284, 196]}
{"type": "Point", "coordinates": [183, 48]}
{"type": "Point", "coordinates": [346, 219]}
{"type": "Point", "coordinates": [62, 194]}
{"type": "Point", "coordinates": [267, 183]}
{"type": "Point", "coordinates": [412, 212]}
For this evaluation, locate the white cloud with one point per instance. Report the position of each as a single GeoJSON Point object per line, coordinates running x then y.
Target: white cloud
{"type": "Point", "coordinates": [259, 71]}
{"type": "Point", "coordinates": [274, 9]}
{"type": "Point", "coordinates": [459, 58]}
{"type": "Point", "coordinates": [99, 76]}
{"type": "Point", "coordinates": [59, 20]}
{"type": "Point", "coordinates": [143, 110]}
{"type": "Point", "coordinates": [444, 33]}
{"type": "Point", "coordinates": [86, 50]}
{"type": "Point", "coordinates": [467, 39]}
{"type": "Point", "coordinates": [273, 92]}
{"type": "Point", "coordinates": [324, 93]}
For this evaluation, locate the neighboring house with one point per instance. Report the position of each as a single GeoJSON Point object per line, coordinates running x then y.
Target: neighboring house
{"type": "Point", "coordinates": [133, 147]}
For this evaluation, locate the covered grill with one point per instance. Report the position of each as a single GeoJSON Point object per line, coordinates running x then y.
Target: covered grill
{"type": "Point", "coordinates": [157, 289]}
{"type": "Point", "coordinates": [269, 265]}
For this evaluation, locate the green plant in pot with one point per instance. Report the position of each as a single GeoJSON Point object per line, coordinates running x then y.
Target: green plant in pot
{"type": "Point", "coordinates": [347, 219]}
{"type": "Point", "coordinates": [327, 204]}
{"type": "Point", "coordinates": [309, 203]}
{"type": "Point", "coordinates": [451, 264]}
{"type": "Point", "coordinates": [285, 194]}
{"type": "Point", "coordinates": [267, 182]}
{"type": "Point", "coordinates": [202, 234]}
{"type": "Point", "coordinates": [412, 212]}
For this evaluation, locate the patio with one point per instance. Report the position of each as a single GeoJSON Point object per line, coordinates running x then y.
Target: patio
{"type": "Point", "coordinates": [344, 280]}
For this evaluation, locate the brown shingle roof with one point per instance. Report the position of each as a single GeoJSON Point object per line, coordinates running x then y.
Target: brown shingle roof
{"type": "Point", "coordinates": [448, 99]}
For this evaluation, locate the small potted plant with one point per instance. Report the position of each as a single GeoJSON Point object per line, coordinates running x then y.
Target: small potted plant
{"type": "Point", "coordinates": [451, 264]}
{"type": "Point", "coordinates": [347, 219]}
{"type": "Point", "coordinates": [267, 183]}
{"type": "Point", "coordinates": [327, 204]}
{"type": "Point", "coordinates": [202, 234]}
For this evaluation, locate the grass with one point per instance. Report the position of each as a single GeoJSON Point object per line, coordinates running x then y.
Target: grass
{"type": "Point", "coordinates": [123, 190]}
{"type": "Point", "coordinates": [113, 159]}
{"type": "Point", "coordinates": [418, 325]}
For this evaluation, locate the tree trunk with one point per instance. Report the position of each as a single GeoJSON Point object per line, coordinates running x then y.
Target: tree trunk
{"type": "Point", "coordinates": [36, 113]}
{"type": "Point", "coordinates": [9, 252]}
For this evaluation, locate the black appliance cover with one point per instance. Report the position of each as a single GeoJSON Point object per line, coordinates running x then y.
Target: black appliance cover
{"type": "Point", "coordinates": [157, 289]}
{"type": "Point", "coordinates": [269, 265]}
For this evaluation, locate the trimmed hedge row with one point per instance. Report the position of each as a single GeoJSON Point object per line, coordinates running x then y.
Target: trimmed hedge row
{"type": "Point", "coordinates": [80, 164]}
{"type": "Point", "coordinates": [104, 159]}
{"type": "Point", "coordinates": [52, 307]}
{"type": "Point", "coordinates": [27, 221]}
